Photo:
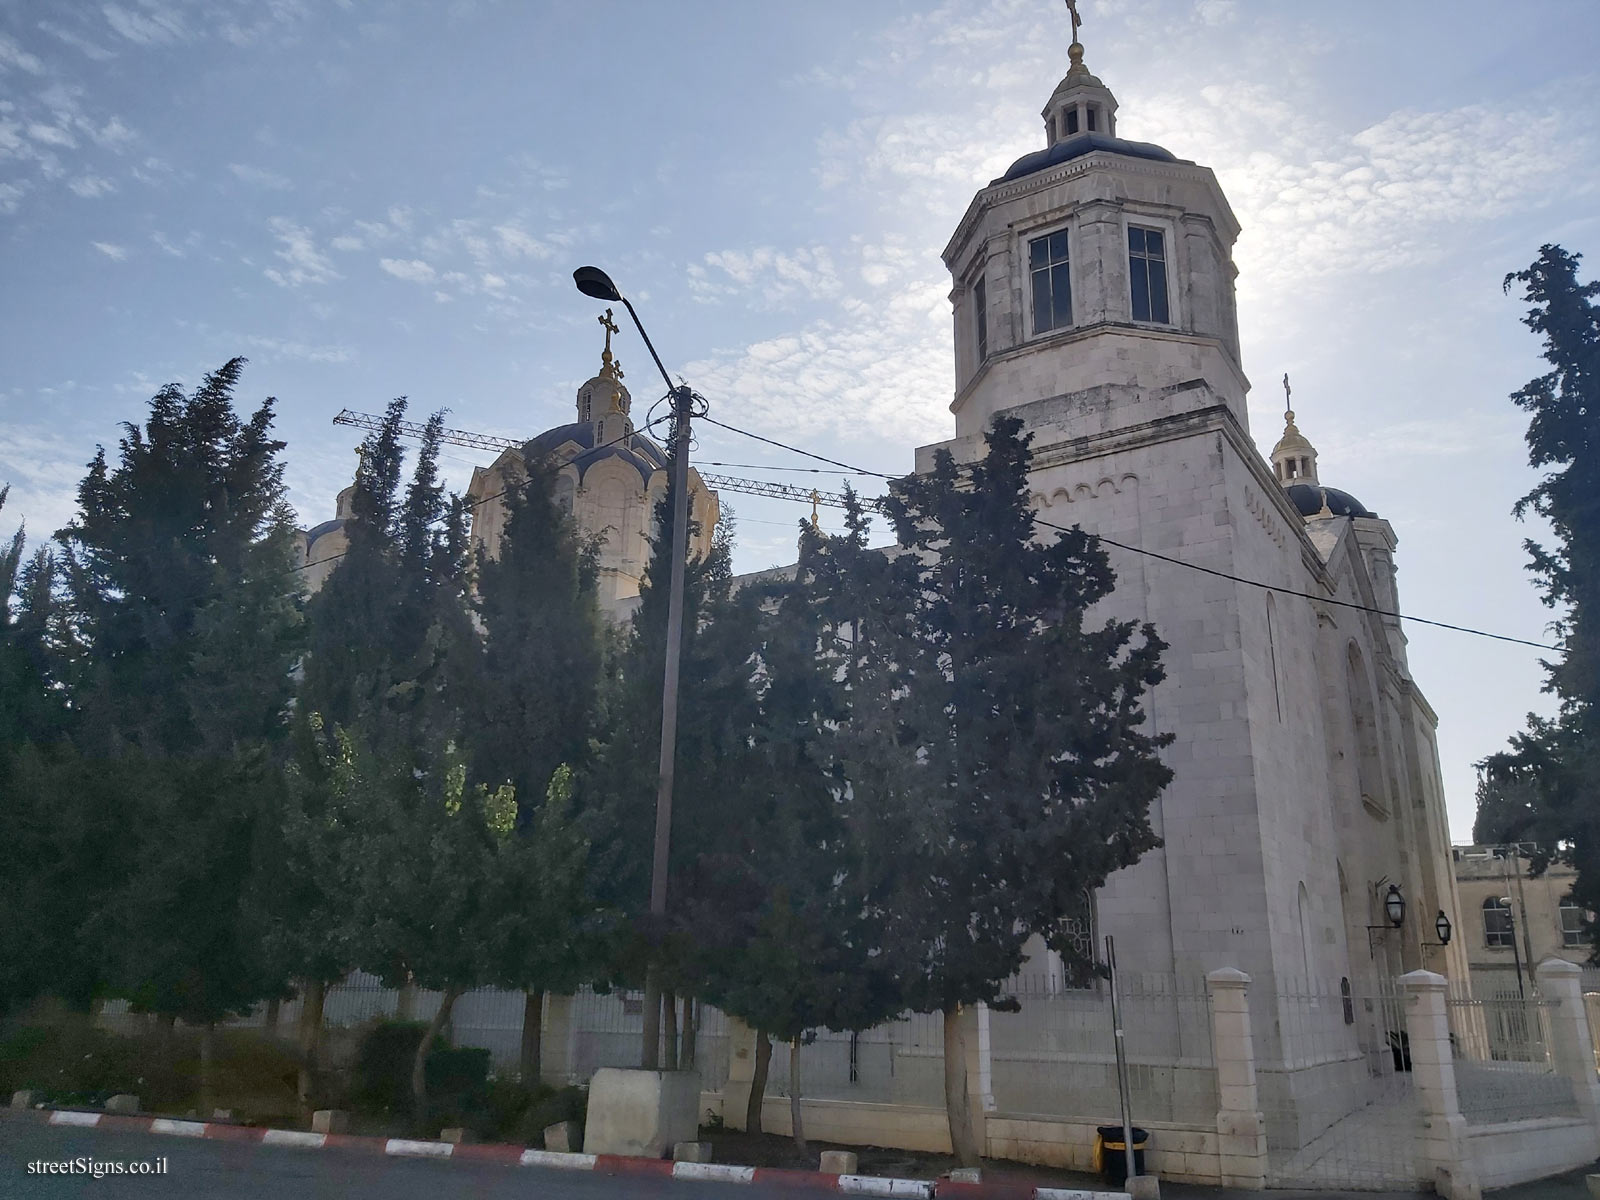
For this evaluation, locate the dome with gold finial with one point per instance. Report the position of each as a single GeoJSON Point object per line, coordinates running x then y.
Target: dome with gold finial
{"type": "Point", "coordinates": [1294, 463]}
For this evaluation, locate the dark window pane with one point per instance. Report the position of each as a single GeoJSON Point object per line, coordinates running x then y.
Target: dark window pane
{"type": "Point", "coordinates": [1135, 240]}
{"type": "Point", "coordinates": [1141, 289]}
{"type": "Point", "coordinates": [979, 307]}
{"type": "Point", "coordinates": [1061, 286]}
{"type": "Point", "coordinates": [1072, 121]}
{"type": "Point", "coordinates": [1158, 292]}
{"type": "Point", "coordinates": [1058, 246]}
{"type": "Point", "coordinates": [1038, 253]}
{"type": "Point", "coordinates": [1091, 120]}
{"type": "Point", "coordinates": [1041, 301]}
{"type": "Point", "coordinates": [1153, 243]}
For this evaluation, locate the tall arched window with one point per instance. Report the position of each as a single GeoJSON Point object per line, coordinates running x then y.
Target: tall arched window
{"type": "Point", "coordinates": [1497, 922]}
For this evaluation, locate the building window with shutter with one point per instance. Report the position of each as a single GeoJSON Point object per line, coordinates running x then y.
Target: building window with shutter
{"type": "Point", "coordinates": [1496, 923]}
{"type": "Point", "coordinates": [1051, 276]}
{"type": "Point", "coordinates": [1147, 274]}
{"type": "Point", "coordinates": [1572, 933]}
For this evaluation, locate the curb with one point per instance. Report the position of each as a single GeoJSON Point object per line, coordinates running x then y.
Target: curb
{"type": "Point", "coordinates": [605, 1164]}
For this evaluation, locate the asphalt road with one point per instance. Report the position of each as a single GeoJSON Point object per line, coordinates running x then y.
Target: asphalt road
{"type": "Point", "coordinates": [206, 1169]}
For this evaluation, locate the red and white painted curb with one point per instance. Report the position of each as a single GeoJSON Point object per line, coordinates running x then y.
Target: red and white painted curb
{"type": "Point", "coordinates": [605, 1164]}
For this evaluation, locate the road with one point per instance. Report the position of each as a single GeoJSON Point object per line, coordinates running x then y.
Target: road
{"type": "Point", "coordinates": [241, 1171]}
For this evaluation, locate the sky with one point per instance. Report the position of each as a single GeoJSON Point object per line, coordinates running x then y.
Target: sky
{"type": "Point", "coordinates": [376, 200]}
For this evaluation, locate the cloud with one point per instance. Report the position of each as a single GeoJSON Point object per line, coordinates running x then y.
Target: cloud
{"type": "Point", "coordinates": [51, 135]}
{"type": "Point", "coordinates": [773, 275]}
{"type": "Point", "coordinates": [518, 243]}
{"type": "Point", "coordinates": [155, 25]}
{"type": "Point", "coordinates": [281, 348]}
{"type": "Point", "coordinates": [412, 269]}
{"type": "Point", "coordinates": [83, 45]}
{"type": "Point", "coordinates": [113, 252]}
{"type": "Point", "coordinates": [13, 55]}
{"type": "Point", "coordinates": [259, 177]}
{"type": "Point", "coordinates": [347, 243]}
{"type": "Point", "coordinates": [305, 263]}
{"type": "Point", "coordinates": [10, 198]}
{"type": "Point", "coordinates": [89, 186]}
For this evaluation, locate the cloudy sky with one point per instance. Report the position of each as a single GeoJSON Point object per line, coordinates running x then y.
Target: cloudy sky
{"type": "Point", "coordinates": [371, 200]}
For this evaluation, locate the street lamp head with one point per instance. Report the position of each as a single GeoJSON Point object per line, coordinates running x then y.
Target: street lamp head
{"type": "Point", "coordinates": [1441, 925]}
{"type": "Point", "coordinates": [1394, 906]}
{"type": "Point", "coordinates": [592, 281]}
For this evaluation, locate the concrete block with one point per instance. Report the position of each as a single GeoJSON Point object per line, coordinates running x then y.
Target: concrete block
{"type": "Point", "coordinates": [563, 1136]}
{"type": "Point", "coordinates": [641, 1113]}
{"type": "Point", "coordinates": [23, 1098]}
{"type": "Point", "coordinates": [123, 1103]}
{"type": "Point", "coordinates": [453, 1134]}
{"type": "Point", "coordinates": [693, 1152]}
{"type": "Point", "coordinates": [222, 1114]}
{"type": "Point", "coordinates": [1143, 1187]}
{"type": "Point", "coordinates": [966, 1175]}
{"type": "Point", "coordinates": [1457, 1184]}
{"type": "Point", "coordinates": [838, 1162]}
{"type": "Point", "coordinates": [1594, 1185]}
{"type": "Point", "coordinates": [330, 1120]}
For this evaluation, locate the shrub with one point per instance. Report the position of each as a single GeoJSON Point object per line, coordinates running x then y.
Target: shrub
{"type": "Point", "coordinates": [456, 1077]}
{"type": "Point", "coordinates": [565, 1104]}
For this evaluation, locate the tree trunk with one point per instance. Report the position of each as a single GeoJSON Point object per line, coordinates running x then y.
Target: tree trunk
{"type": "Point", "coordinates": [963, 1142]}
{"type": "Point", "coordinates": [795, 1125]}
{"type": "Point", "coordinates": [419, 1066]}
{"type": "Point", "coordinates": [758, 1083]}
{"type": "Point", "coordinates": [316, 992]}
{"type": "Point", "coordinates": [532, 1056]}
{"type": "Point", "coordinates": [208, 1054]}
{"type": "Point", "coordinates": [405, 1002]}
{"type": "Point", "coordinates": [691, 1012]}
{"type": "Point", "coordinates": [269, 1024]}
{"type": "Point", "coordinates": [669, 1018]}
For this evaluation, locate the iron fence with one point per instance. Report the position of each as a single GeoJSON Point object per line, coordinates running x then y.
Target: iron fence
{"type": "Point", "coordinates": [1504, 1068]}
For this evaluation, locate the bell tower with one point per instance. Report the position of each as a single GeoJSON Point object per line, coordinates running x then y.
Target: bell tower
{"type": "Point", "coordinates": [1096, 262]}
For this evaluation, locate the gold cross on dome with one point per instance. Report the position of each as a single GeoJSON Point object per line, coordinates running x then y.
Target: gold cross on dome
{"type": "Point", "coordinates": [1287, 407]}
{"type": "Point", "coordinates": [816, 499]}
{"type": "Point", "coordinates": [610, 328]}
{"type": "Point", "coordinates": [1072, 7]}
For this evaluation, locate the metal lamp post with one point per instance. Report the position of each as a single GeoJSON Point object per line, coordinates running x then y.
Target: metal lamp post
{"type": "Point", "coordinates": [592, 281]}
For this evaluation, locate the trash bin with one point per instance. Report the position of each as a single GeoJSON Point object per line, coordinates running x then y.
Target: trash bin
{"type": "Point", "coordinates": [1110, 1155]}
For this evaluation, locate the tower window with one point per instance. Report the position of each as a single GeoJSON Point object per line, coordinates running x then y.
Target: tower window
{"type": "Point", "coordinates": [1052, 282]}
{"type": "Point", "coordinates": [1090, 113]}
{"type": "Point", "coordinates": [1072, 121]}
{"type": "Point", "coordinates": [980, 317]}
{"type": "Point", "coordinates": [1147, 274]}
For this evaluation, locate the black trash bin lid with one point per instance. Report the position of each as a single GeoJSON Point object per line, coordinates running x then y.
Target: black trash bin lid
{"type": "Point", "coordinates": [1113, 1133]}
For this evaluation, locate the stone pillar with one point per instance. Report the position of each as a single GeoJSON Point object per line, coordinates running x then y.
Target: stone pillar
{"type": "Point", "coordinates": [1570, 1043]}
{"type": "Point", "coordinates": [1241, 1130]}
{"type": "Point", "coordinates": [556, 1051]}
{"type": "Point", "coordinates": [741, 1072]}
{"type": "Point", "coordinates": [980, 1070]}
{"type": "Point", "coordinates": [1442, 1141]}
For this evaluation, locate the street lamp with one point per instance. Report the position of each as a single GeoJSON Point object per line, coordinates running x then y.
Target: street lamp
{"type": "Point", "coordinates": [1516, 956]}
{"type": "Point", "coordinates": [592, 281]}
{"type": "Point", "coordinates": [1394, 911]}
{"type": "Point", "coordinates": [1441, 926]}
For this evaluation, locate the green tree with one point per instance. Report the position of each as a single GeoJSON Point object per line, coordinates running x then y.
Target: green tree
{"type": "Point", "coordinates": [183, 602]}
{"type": "Point", "coordinates": [1543, 787]}
{"type": "Point", "coordinates": [995, 748]}
{"type": "Point", "coordinates": [536, 704]}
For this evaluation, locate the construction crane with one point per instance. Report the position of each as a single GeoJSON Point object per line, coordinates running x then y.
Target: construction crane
{"type": "Point", "coordinates": [723, 483]}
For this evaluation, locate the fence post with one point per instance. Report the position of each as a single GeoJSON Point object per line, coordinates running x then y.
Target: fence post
{"type": "Point", "coordinates": [741, 1072]}
{"type": "Point", "coordinates": [555, 1048]}
{"type": "Point", "coordinates": [1442, 1145]}
{"type": "Point", "coordinates": [1241, 1130]}
{"type": "Point", "coordinates": [1571, 1046]}
{"type": "Point", "coordinates": [980, 1071]}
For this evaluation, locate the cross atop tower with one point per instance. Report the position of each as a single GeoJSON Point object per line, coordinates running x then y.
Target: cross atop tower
{"type": "Point", "coordinates": [1072, 8]}
{"type": "Point", "coordinates": [610, 327]}
{"type": "Point", "coordinates": [1288, 408]}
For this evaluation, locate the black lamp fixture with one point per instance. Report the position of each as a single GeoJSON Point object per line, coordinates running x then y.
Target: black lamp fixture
{"type": "Point", "coordinates": [592, 281]}
{"type": "Point", "coordinates": [1394, 906]}
{"type": "Point", "coordinates": [1441, 925]}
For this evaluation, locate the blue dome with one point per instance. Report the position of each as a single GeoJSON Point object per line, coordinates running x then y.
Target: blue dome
{"type": "Point", "coordinates": [1081, 144]}
{"type": "Point", "coordinates": [1308, 499]}
{"type": "Point", "coordinates": [639, 451]}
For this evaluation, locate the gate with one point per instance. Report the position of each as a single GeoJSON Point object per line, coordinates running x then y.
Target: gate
{"type": "Point", "coordinates": [1333, 1065]}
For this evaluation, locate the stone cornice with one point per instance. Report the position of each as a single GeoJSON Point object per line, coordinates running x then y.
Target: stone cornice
{"type": "Point", "coordinates": [999, 193]}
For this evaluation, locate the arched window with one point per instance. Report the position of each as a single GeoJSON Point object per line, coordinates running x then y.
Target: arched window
{"type": "Point", "coordinates": [1572, 931]}
{"type": "Point", "coordinates": [1497, 922]}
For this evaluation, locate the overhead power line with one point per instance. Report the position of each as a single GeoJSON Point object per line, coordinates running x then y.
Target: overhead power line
{"type": "Point", "coordinates": [1270, 587]}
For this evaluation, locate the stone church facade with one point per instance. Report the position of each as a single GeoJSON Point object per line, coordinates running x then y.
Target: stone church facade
{"type": "Point", "coordinates": [1093, 295]}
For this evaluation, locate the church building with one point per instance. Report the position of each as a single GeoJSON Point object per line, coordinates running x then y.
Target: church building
{"type": "Point", "coordinates": [1093, 293]}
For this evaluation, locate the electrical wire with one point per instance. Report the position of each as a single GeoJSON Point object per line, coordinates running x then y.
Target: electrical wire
{"type": "Point", "coordinates": [1271, 587]}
